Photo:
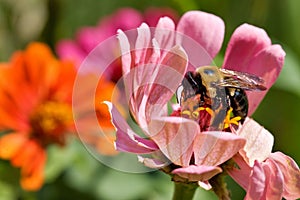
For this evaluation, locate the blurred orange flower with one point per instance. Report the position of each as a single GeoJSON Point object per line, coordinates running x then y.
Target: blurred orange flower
{"type": "Point", "coordinates": [35, 105]}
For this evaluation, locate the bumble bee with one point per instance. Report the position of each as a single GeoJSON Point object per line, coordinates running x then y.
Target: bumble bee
{"type": "Point", "coordinates": [220, 90]}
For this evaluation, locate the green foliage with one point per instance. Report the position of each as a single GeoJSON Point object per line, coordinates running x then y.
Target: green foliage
{"type": "Point", "coordinates": [289, 79]}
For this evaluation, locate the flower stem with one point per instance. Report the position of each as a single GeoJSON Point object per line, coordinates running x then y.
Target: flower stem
{"type": "Point", "coordinates": [220, 187]}
{"type": "Point", "coordinates": [184, 191]}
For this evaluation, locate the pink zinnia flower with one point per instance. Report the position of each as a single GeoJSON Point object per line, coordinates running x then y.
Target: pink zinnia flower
{"type": "Point", "coordinates": [152, 72]}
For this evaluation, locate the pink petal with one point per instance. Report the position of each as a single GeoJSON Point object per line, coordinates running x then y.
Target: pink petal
{"type": "Point", "coordinates": [267, 64]}
{"type": "Point", "coordinates": [274, 180]}
{"type": "Point", "coordinates": [259, 141]}
{"type": "Point", "coordinates": [174, 136]}
{"type": "Point", "coordinates": [69, 50]}
{"type": "Point", "coordinates": [166, 77]}
{"type": "Point", "coordinates": [152, 162]}
{"type": "Point", "coordinates": [291, 175]}
{"type": "Point", "coordinates": [127, 140]}
{"type": "Point", "coordinates": [245, 43]}
{"type": "Point", "coordinates": [207, 30]}
{"type": "Point", "coordinates": [142, 44]}
{"type": "Point", "coordinates": [125, 51]}
{"type": "Point", "coordinates": [158, 82]}
{"type": "Point", "coordinates": [214, 148]}
{"type": "Point", "coordinates": [165, 33]}
{"type": "Point", "coordinates": [197, 173]}
{"type": "Point", "coordinates": [142, 66]}
{"type": "Point", "coordinates": [242, 173]}
{"type": "Point", "coordinates": [257, 183]}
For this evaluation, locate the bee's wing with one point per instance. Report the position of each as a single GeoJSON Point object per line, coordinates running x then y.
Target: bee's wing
{"type": "Point", "coordinates": [241, 80]}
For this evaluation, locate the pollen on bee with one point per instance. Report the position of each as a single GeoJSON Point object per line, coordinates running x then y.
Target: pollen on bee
{"type": "Point", "coordinates": [195, 115]}
{"type": "Point", "coordinates": [207, 109]}
{"type": "Point", "coordinates": [186, 112]}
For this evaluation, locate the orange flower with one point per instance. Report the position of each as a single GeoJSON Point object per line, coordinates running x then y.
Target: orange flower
{"type": "Point", "coordinates": [35, 104]}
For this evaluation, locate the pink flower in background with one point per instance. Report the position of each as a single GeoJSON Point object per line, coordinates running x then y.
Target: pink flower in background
{"type": "Point", "coordinates": [87, 38]}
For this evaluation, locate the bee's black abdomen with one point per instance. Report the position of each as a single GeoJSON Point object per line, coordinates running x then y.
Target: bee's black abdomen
{"type": "Point", "coordinates": [238, 101]}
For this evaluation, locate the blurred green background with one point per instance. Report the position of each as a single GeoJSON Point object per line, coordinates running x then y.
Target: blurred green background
{"type": "Point", "coordinates": [73, 173]}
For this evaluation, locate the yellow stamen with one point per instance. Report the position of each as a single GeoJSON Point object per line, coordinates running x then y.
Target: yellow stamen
{"type": "Point", "coordinates": [228, 120]}
{"type": "Point", "coordinates": [51, 119]}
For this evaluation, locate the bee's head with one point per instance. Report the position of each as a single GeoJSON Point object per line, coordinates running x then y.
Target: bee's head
{"type": "Point", "coordinates": [210, 76]}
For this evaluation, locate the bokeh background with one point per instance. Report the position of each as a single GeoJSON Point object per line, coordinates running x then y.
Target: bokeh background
{"type": "Point", "coordinates": [71, 172]}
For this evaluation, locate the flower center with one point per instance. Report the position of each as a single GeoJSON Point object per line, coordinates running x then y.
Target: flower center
{"type": "Point", "coordinates": [49, 122]}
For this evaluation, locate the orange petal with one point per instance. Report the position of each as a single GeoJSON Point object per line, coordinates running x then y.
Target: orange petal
{"type": "Point", "coordinates": [10, 144]}
{"type": "Point", "coordinates": [106, 90]}
{"type": "Point", "coordinates": [32, 175]}
{"type": "Point", "coordinates": [10, 119]}
{"type": "Point", "coordinates": [38, 59]}
{"type": "Point", "coordinates": [25, 154]}
{"type": "Point", "coordinates": [103, 117]}
{"type": "Point", "coordinates": [11, 100]}
{"type": "Point", "coordinates": [63, 85]}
